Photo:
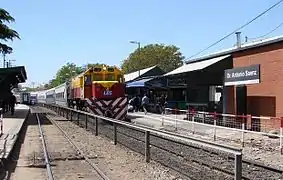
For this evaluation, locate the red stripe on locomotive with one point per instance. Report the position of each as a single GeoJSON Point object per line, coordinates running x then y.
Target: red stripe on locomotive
{"type": "Point", "coordinates": [101, 92]}
{"type": "Point", "coordinates": [76, 92]}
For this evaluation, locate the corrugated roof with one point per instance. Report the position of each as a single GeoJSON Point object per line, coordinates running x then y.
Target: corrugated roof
{"type": "Point", "coordinates": [193, 66]}
{"type": "Point", "coordinates": [138, 83]}
{"type": "Point", "coordinates": [135, 75]}
{"type": "Point", "coordinates": [244, 46]}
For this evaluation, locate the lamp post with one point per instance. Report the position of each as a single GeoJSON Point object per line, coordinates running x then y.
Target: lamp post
{"type": "Point", "coordinates": [4, 59]}
{"type": "Point", "coordinates": [139, 48]}
{"type": "Point", "coordinates": [10, 62]}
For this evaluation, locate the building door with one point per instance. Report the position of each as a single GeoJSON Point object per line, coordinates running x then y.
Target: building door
{"type": "Point", "coordinates": [241, 100]}
{"type": "Point", "coordinates": [241, 104]}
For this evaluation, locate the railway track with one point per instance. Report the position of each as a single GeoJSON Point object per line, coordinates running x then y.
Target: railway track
{"type": "Point", "coordinates": [63, 158]}
{"type": "Point", "coordinates": [191, 154]}
{"type": "Point", "coordinates": [190, 160]}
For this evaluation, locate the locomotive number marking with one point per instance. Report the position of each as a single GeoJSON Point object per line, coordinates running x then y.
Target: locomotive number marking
{"type": "Point", "coordinates": [107, 93]}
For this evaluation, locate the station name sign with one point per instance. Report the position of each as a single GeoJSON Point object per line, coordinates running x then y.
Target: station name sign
{"type": "Point", "coordinates": [242, 75]}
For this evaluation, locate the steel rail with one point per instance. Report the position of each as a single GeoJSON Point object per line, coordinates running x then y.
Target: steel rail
{"type": "Point", "coordinates": [80, 151]}
{"type": "Point", "coordinates": [46, 157]}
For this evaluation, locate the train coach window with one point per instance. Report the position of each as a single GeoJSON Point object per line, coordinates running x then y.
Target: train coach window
{"type": "Point", "coordinates": [59, 95]}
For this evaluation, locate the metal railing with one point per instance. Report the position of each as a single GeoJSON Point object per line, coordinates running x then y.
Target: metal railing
{"type": "Point", "coordinates": [214, 120]}
{"type": "Point", "coordinates": [68, 112]}
{"type": "Point", "coordinates": [1, 122]}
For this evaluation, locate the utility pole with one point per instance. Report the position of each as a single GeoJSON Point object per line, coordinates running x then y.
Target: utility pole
{"type": "Point", "coordinates": [10, 62]}
{"type": "Point", "coordinates": [139, 49]}
{"type": "Point", "coordinates": [32, 85]}
{"type": "Point", "coordinates": [4, 59]}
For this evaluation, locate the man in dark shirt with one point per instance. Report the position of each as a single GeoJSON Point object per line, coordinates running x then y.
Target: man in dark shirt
{"type": "Point", "coordinates": [162, 103]}
{"type": "Point", "coordinates": [12, 103]}
{"type": "Point", "coordinates": [219, 106]}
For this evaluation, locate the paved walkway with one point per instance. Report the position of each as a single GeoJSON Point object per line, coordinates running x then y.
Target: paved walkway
{"type": "Point", "coordinates": [167, 123]}
{"type": "Point", "coordinates": [12, 125]}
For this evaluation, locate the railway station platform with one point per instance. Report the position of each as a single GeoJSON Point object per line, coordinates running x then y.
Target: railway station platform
{"type": "Point", "coordinates": [176, 123]}
{"type": "Point", "coordinates": [12, 125]}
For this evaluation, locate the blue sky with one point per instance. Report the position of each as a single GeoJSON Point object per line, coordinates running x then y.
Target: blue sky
{"type": "Point", "coordinates": [55, 32]}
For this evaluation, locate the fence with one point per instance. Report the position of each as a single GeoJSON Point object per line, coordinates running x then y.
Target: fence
{"type": "Point", "coordinates": [1, 122]}
{"type": "Point", "coordinates": [270, 126]}
{"type": "Point", "coordinates": [91, 120]}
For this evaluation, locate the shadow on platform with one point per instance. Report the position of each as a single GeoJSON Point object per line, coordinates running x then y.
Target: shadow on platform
{"type": "Point", "coordinates": [19, 114]}
{"type": "Point", "coordinates": [10, 164]}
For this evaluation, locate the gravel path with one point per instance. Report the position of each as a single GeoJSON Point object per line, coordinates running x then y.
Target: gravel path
{"type": "Point", "coordinates": [117, 161]}
{"type": "Point", "coordinates": [23, 164]}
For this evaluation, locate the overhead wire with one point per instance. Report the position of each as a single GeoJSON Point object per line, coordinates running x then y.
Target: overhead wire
{"type": "Point", "coordinates": [241, 27]}
{"type": "Point", "coordinates": [274, 29]}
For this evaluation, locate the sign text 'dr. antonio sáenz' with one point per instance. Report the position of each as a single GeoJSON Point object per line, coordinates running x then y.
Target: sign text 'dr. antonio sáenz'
{"type": "Point", "coordinates": [243, 75]}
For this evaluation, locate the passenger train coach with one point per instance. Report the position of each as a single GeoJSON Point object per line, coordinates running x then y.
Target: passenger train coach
{"type": "Point", "coordinates": [56, 95]}
{"type": "Point", "coordinates": [99, 90]}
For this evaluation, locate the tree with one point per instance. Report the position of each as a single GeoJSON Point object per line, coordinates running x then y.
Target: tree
{"type": "Point", "coordinates": [89, 65]}
{"type": "Point", "coordinates": [65, 73]}
{"type": "Point", "coordinates": [167, 58]}
{"type": "Point", "coordinates": [6, 33]}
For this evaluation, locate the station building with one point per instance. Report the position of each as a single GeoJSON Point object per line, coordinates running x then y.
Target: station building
{"type": "Point", "coordinates": [147, 80]}
{"type": "Point", "coordinates": [9, 79]}
{"type": "Point", "coordinates": [250, 74]}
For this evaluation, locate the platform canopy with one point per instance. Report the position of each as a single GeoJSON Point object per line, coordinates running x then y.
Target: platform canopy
{"type": "Point", "coordinates": [138, 83]}
{"type": "Point", "coordinates": [9, 77]}
{"type": "Point", "coordinates": [143, 73]}
{"type": "Point", "coordinates": [198, 65]}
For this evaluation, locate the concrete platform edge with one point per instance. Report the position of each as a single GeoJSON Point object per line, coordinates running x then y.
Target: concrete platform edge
{"type": "Point", "coordinates": [2, 160]}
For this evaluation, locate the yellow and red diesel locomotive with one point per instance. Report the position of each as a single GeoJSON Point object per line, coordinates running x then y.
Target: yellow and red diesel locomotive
{"type": "Point", "coordinates": [100, 90]}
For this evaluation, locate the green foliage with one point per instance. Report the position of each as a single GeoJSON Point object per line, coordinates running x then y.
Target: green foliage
{"type": "Point", "coordinates": [6, 33]}
{"type": "Point", "coordinates": [167, 58]}
{"type": "Point", "coordinates": [89, 65]}
{"type": "Point", "coordinates": [64, 74]}
{"type": "Point", "coordinates": [67, 72]}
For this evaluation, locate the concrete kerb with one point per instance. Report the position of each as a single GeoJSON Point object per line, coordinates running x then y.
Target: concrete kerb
{"type": "Point", "coordinates": [16, 137]}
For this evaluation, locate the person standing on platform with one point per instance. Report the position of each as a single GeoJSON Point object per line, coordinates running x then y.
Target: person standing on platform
{"type": "Point", "coordinates": [137, 103]}
{"type": "Point", "coordinates": [145, 102]}
{"type": "Point", "coordinates": [162, 104]}
{"type": "Point", "coordinates": [12, 103]}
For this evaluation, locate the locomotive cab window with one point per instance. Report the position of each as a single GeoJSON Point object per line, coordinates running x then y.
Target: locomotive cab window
{"type": "Point", "coordinates": [110, 77]}
{"type": "Point", "coordinates": [88, 80]}
{"type": "Point", "coordinates": [97, 77]}
{"type": "Point", "coordinates": [120, 78]}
